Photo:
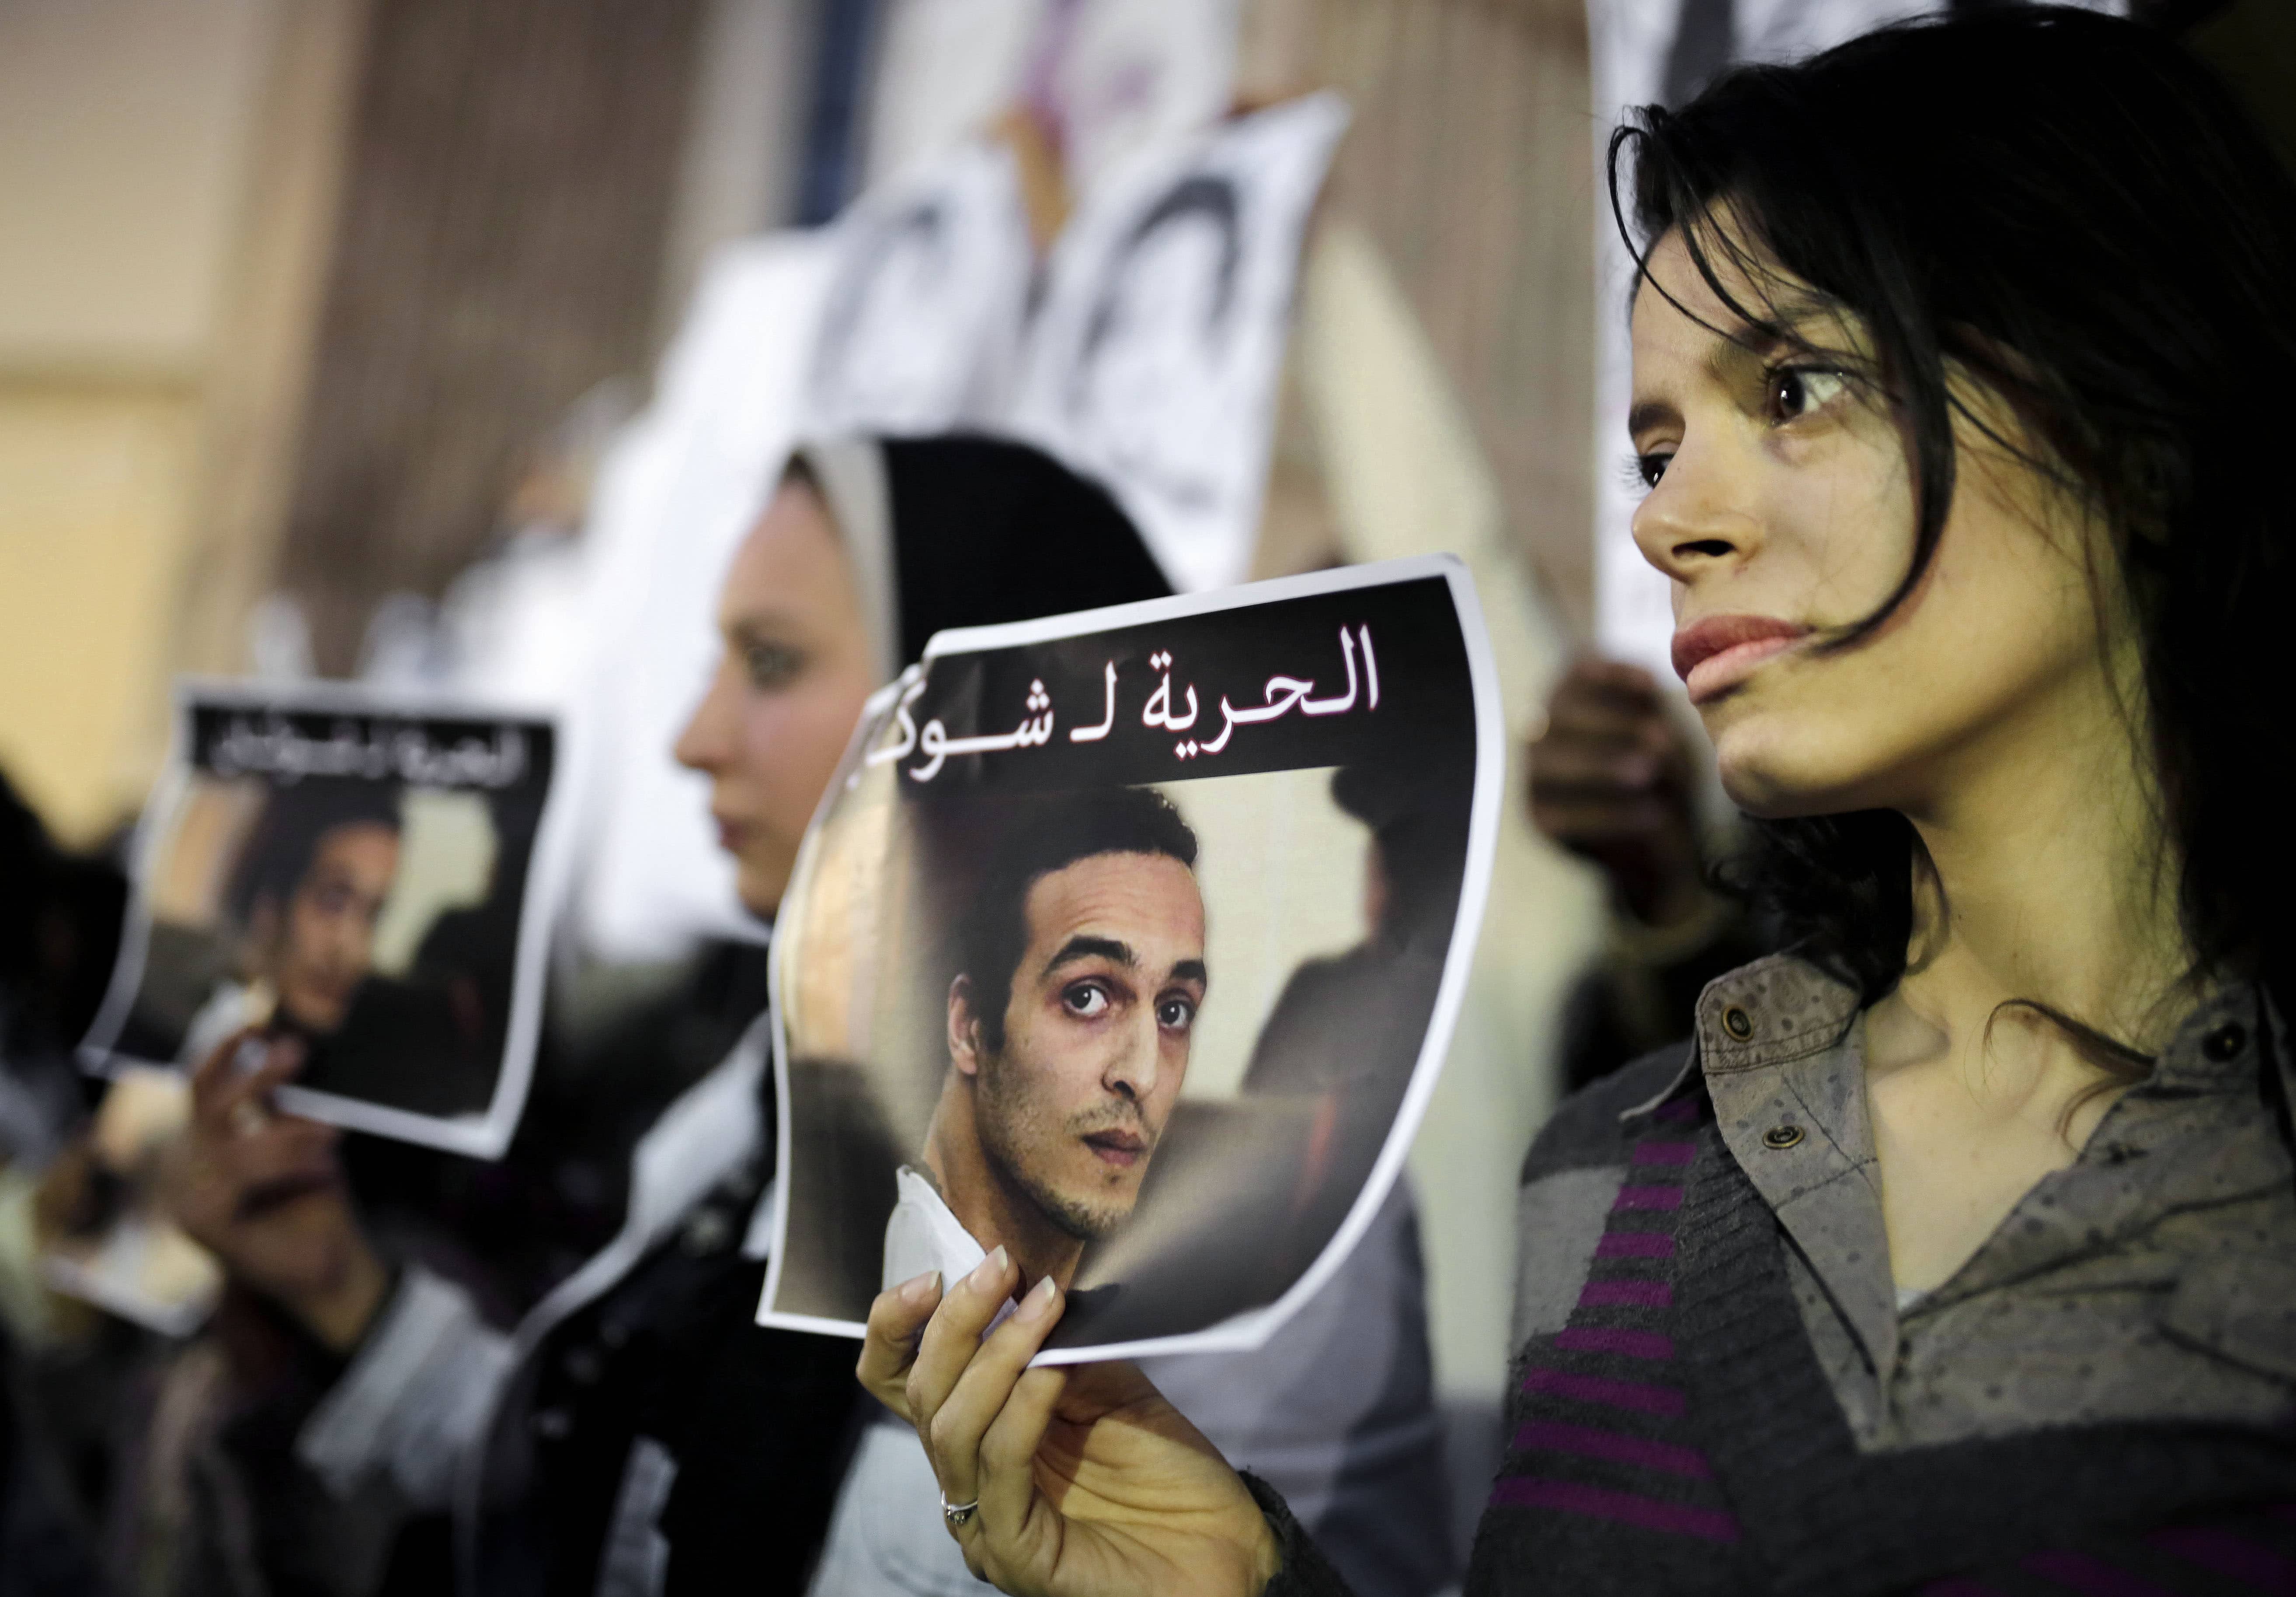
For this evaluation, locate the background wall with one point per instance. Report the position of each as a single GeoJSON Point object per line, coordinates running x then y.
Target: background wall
{"type": "Point", "coordinates": [125, 139]}
{"type": "Point", "coordinates": [215, 372]}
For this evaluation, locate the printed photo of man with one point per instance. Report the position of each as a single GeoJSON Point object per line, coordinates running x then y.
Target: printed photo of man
{"type": "Point", "coordinates": [307, 892]}
{"type": "Point", "coordinates": [1080, 973]}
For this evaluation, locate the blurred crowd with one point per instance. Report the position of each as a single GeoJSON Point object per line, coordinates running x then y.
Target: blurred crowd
{"type": "Point", "coordinates": [978, 394]}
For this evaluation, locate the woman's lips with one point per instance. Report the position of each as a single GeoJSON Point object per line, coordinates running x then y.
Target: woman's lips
{"type": "Point", "coordinates": [731, 833]}
{"type": "Point", "coordinates": [1714, 655]}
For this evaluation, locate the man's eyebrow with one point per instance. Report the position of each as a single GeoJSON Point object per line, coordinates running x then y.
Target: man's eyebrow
{"type": "Point", "coordinates": [1191, 970]}
{"type": "Point", "coordinates": [1087, 947]}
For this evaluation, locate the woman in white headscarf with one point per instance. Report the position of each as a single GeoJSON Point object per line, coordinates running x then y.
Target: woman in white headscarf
{"type": "Point", "coordinates": [636, 1432]}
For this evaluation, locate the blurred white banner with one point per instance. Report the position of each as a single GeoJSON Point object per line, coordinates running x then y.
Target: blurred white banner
{"type": "Point", "coordinates": [1153, 359]}
{"type": "Point", "coordinates": [675, 497]}
{"type": "Point", "coordinates": [930, 285]}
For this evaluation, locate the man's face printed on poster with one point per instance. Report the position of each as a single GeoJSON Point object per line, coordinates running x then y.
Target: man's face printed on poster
{"type": "Point", "coordinates": [319, 946]}
{"type": "Point", "coordinates": [1163, 321]}
{"type": "Point", "coordinates": [1096, 1034]}
{"type": "Point", "coordinates": [884, 342]}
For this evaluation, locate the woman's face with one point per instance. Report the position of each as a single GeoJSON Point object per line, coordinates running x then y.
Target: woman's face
{"type": "Point", "coordinates": [787, 691]}
{"type": "Point", "coordinates": [1783, 510]}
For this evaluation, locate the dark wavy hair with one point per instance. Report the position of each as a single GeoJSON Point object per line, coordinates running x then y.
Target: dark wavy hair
{"type": "Point", "coordinates": [1039, 838]}
{"type": "Point", "coordinates": [2067, 210]}
{"type": "Point", "coordinates": [286, 837]}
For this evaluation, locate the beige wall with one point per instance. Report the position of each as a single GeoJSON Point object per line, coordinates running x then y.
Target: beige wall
{"type": "Point", "coordinates": [93, 479]}
{"type": "Point", "coordinates": [170, 179]}
{"type": "Point", "coordinates": [125, 132]}
{"type": "Point", "coordinates": [124, 127]}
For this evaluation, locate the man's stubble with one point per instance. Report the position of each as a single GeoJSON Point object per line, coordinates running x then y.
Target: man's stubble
{"type": "Point", "coordinates": [1011, 1129]}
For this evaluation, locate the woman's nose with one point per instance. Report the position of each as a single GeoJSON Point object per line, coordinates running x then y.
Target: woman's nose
{"type": "Point", "coordinates": [702, 745]}
{"type": "Point", "coordinates": [1695, 518]}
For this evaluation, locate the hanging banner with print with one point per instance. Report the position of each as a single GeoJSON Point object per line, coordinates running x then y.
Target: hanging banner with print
{"type": "Point", "coordinates": [921, 323]}
{"type": "Point", "coordinates": [1152, 364]}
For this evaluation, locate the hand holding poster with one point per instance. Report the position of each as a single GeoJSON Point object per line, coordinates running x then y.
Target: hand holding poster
{"type": "Point", "coordinates": [365, 877]}
{"type": "Point", "coordinates": [1132, 940]}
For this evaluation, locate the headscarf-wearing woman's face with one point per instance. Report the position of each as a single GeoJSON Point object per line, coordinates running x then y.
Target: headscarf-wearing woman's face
{"type": "Point", "coordinates": [795, 672]}
{"type": "Point", "coordinates": [1781, 507]}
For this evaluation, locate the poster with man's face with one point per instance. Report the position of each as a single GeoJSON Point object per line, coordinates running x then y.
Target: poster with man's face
{"type": "Point", "coordinates": [365, 879]}
{"type": "Point", "coordinates": [1131, 941]}
{"type": "Point", "coordinates": [928, 295]}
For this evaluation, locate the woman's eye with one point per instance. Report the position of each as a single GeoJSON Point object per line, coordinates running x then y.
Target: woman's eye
{"type": "Point", "coordinates": [769, 665]}
{"type": "Point", "coordinates": [1175, 1014]}
{"type": "Point", "coordinates": [1796, 390]}
{"type": "Point", "coordinates": [1085, 1001]}
{"type": "Point", "coordinates": [1649, 468]}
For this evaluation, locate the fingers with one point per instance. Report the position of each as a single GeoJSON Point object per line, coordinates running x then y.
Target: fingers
{"type": "Point", "coordinates": [896, 1320]}
{"type": "Point", "coordinates": [1007, 1478]}
{"type": "Point", "coordinates": [1588, 824]}
{"type": "Point", "coordinates": [1587, 766]}
{"type": "Point", "coordinates": [220, 1090]}
{"type": "Point", "coordinates": [1595, 687]}
{"type": "Point", "coordinates": [287, 1151]}
{"type": "Point", "coordinates": [954, 1432]}
{"type": "Point", "coordinates": [1595, 671]}
{"type": "Point", "coordinates": [1636, 719]}
{"type": "Point", "coordinates": [1610, 769]}
{"type": "Point", "coordinates": [952, 1335]}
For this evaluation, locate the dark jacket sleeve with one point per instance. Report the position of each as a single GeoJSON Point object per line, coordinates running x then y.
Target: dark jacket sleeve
{"type": "Point", "coordinates": [1305, 1571]}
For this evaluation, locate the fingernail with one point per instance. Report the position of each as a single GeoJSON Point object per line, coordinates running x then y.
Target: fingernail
{"type": "Point", "coordinates": [989, 1274]}
{"type": "Point", "coordinates": [917, 1289]}
{"type": "Point", "coordinates": [1038, 1304]}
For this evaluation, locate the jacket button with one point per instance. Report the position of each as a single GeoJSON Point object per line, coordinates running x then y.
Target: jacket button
{"type": "Point", "coordinates": [1781, 1136]}
{"type": "Point", "coordinates": [1737, 1023]}
{"type": "Point", "coordinates": [2224, 1043]}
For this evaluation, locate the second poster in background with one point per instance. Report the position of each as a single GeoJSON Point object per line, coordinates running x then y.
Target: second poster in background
{"type": "Point", "coordinates": [1133, 940]}
{"type": "Point", "coordinates": [367, 877]}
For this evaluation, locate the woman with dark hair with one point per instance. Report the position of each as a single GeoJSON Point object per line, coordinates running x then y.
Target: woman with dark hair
{"type": "Point", "coordinates": [1956, 1251]}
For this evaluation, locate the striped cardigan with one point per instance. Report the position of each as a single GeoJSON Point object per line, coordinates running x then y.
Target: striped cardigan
{"type": "Point", "coordinates": [1677, 1434]}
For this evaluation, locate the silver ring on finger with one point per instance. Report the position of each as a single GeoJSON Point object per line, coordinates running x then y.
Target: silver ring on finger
{"type": "Point", "coordinates": [957, 1513]}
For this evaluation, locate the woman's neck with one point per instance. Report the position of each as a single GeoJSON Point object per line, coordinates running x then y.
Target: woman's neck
{"type": "Point", "coordinates": [2044, 875]}
{"type": "Point", "coordinates": [2042, 878]}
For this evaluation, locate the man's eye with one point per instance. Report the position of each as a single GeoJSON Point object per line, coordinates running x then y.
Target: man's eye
{"type": "Point", "coordinates": [1794, 391]}
{"type": "Point", "coordinates": [1175, 1014]}
{"type": "Point", "coordinates": [1085, 1001]}
{"type": "Point", "coordinates": [769, 665]}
